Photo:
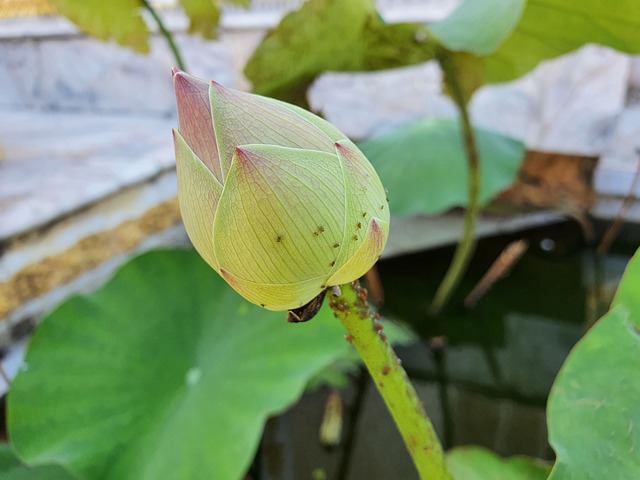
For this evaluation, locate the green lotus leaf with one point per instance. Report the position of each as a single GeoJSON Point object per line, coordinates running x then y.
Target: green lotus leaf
{"type": "Point", "coordinates": [163, 374]}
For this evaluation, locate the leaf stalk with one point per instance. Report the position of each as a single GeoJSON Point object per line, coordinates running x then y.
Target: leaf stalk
{"type": "Point", "coordinates": [166, 34]}
{"type": "Point", "coordinates": [466, 246]}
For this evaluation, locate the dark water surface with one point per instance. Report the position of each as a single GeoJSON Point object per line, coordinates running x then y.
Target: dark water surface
{"type": "Point", "coordinates": [494, 364]}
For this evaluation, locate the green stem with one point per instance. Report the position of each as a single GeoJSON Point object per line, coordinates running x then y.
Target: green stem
{"type": "Point", "coordinates": [466, 247]}
{"type": "Point", "coordinates": [166, 34]}
{"type": "Point", "coordinates": [351, 307]}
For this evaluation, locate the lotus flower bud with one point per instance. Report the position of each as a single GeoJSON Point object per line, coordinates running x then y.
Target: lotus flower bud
{"type": "Point", "coordinates": [278, 201]}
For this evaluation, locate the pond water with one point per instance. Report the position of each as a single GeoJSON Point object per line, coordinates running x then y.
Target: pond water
{"type": "Point", "coordinates": [494, 364]}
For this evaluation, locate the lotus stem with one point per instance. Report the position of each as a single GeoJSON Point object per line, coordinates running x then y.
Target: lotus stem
{"type": "Point", "coordinates": [467, 245]}
{"type": "Point", "coordinates": [351, 308]}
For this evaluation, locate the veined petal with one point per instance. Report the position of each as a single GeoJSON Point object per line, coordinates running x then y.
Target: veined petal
{"type": "Point", "coordinates": [243, 119]}
{"type": "Point", "coordinates": [199, 192]}
{"type": "Point", "coordinates": [194, 119]}
{"type": "Point", "coordinates": [366, 255]}
{"type": "Point", "coordinates": [365, 199]}
{"type": "Point", "coordinates": [276, 296]}
{"type": "Point", "coordinates": [281, 215]}
{"type": "Point", "coordinates": [329, 130]}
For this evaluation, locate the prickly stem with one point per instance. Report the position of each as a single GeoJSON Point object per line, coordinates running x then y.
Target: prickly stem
{"type": "Point", "coordinates": [367, 335]}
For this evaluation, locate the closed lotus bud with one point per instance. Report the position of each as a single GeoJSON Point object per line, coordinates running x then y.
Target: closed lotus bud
{"type": "Point", "coordinates": [278, 201]}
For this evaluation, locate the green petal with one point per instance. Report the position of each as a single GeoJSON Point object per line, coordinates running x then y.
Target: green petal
{"type": "Point", "coordinates": [366, 255]}
{"type": "Point", "coordinates": [199, 193]}
{"type": "Point", "coordinates": [328, 129]}
{"type": "Point", "coordinates": [246, 119]}
{"type": "Point", "coordinates": [281, 216]}
{"type": "Point", "coordinates": [194, 118]}
{"type": "Point", "coordinates": [366, 200]}
{"type": "Point", "coordinates": [276, 297]}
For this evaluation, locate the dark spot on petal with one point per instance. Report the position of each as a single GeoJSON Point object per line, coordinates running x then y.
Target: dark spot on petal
{"type": "Point", "coordinates": [336, 245]}
{"type": "Point", "coordinates": [355, 237]}
{"type": "Point", "coordinates": [262, 305]}
{"type": "Point", "coordinates": [278, 238]}
{"type": "Point", "coordinates": [364, 214]}
{"type": "Point", "coordinates": [332, 263]}
{"type": "Point", "coordinates": [320, 229]}
{"type": "Point", "coordinates": [359, 225]}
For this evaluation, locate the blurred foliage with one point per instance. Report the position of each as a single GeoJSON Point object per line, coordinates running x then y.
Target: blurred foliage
{"type": "Point", "coordinates": [466, 29]}
{"type": "Point", "coordinates": [122, 21]}
{"type": "Point", "coordinates": [204, 15]}
{"type": "Point", "coordinates": [593, 409]}
{"type": "Point", "coordinates": [549, 28]}
{"type": "Point", "coordinates": [119, 20]}
{"type": "Point", "coordinates": [428, 156]}
{"type": "Point", "coordinates": [331, 35]}
{"type": "Point", "coordinates": [476, 463]}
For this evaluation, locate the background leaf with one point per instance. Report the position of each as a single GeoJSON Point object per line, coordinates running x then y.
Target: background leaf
{"type": "Point", "coordinates": [627, 293]}
{"type": "Point", "coordinates": [204, 16]}
{"type": "Point", "coordinates": [324, 35]}
{"type": "Point", "coordinates": [118, 20]}
{"type": "Point", "coordinates": [11, 468]}
{"type": "Point", "coordinates": [593, 413]}
{"type": "Point", "coordinates": [478, 26]}
{"type": "Point", "coordinates": [549, 28]}
{"type": "Point", "coordinates": [476, 463]}
{"type": "Point", "coordinates": [164, 373]}
{"type": "Point", "coordinates": [424, 167]}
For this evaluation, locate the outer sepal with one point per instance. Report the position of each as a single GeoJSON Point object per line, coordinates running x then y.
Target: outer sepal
{"type": "Point", "coordinates": [366, 200]}
{"type": "Point", "coordinates": [365, 256]}
{"type": "Point", "coordinates": [245, 119]}
{"type": "Point", "coordinates": [281, 216]}
{"type": "Point", "coordinates": [194, 119]}
{"type": "Point", "coordinates": [198, 192]}
{"type": "Point", "coordinates": [273, 296]}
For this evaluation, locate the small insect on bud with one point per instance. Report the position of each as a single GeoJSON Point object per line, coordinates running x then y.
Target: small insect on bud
{"type": "Point", "coordinates": [270, 194]}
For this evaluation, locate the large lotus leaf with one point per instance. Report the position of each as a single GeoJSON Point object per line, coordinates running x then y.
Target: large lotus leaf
{"type": "Point", "coordinates": [164, 373]}
{"type": "Point", "coordinates": [549, 28]}
{"type": "Point", "coordinates": [628, 292]}
{"type": "Point", "coordinates": [11, 468]}
{"type": "Point", "coordinates": [478, 26]}
{"type": "Point", "coordinates": [424, 167]}
{"type": "Point", "coordinates": [593, 412]}
{"type": "Point", "coordinates": [476, 463]}
{"type": "Point", "coordinates": [119, 20]}
{"type": "Point", "coordinates": [326, 35]}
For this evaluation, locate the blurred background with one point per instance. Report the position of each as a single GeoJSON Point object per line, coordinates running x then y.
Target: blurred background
{"type": "Point", "coordinates": [87, 181]}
